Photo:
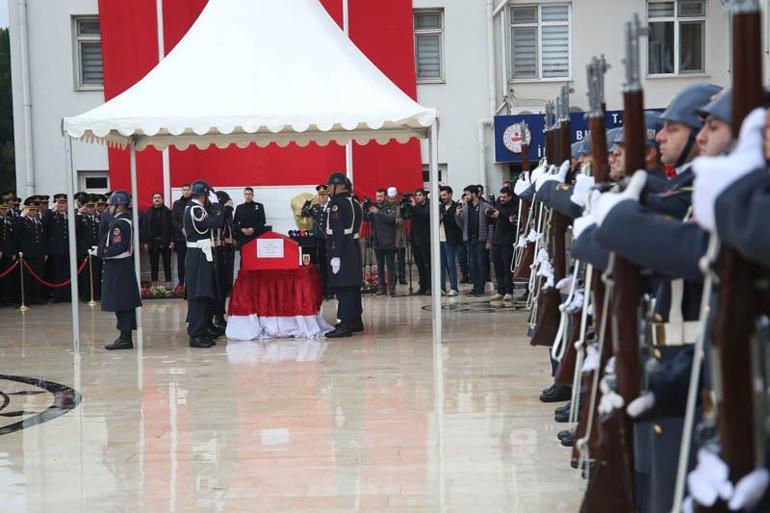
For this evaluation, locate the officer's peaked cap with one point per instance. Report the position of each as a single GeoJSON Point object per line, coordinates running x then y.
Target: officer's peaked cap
{"type": "Point", "coordinates": [684, 107]}
{"type": "Point", "coordinates": [720, 107]}
{"type": "Point", "coordinates": [120, 198]}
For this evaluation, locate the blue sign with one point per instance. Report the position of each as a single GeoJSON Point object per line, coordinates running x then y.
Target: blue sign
{"type": "Point", "coordinates": [535, 123]}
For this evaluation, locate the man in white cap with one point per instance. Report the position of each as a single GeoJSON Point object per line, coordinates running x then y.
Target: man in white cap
{"type": "Point", "coordinates": [392, 198]}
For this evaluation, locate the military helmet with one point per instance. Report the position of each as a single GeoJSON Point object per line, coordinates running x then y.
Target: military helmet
{"type": "Point", "coordinates": [337, 179]}
{"type": "Point", "coordinates": [720, 107]}
{"type": "Point", "coordinates": [612, 136]}
{"type": "Point", "coordinates": [577, 149]}
{"type": "Point", "coordinates": [652, 125]}
{"type": "Point", "coordinates": [684, 106]}
{"type": "Point", "coordinates": [200, 188]}
{"type": "Point", "coordinates": [120, 198]}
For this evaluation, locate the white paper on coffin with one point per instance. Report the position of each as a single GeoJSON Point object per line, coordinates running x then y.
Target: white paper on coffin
{"type": "Point", "coordinates": [253, 327]}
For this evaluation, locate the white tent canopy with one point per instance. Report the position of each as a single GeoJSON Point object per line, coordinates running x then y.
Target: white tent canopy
{"type": "Point", "coordinates": [259, 72]}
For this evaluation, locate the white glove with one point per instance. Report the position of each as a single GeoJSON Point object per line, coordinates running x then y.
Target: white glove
{"type": "Point", "coordinates": [554, 176]}
{"type": "Point", "coordinates": [538, 172]}
{"type": "Point", "coordinates": [591, 361]}
{"type": "Point", "coordinates": [92, 251]}
{"type": "Point", "coordinates": [577, 301]}
{"type": "Point", "coordinates": [522, 184]}
{"type": "Point", "coordinates": [709, 481]}
{"type": "Point", "coordinates": [750, 490]}
{"type": "Point", "coordinates": [641, 404]}
{"type": "Point", "coordinates": [213, 197]}
{"type": "Point", "coordinates": [610, 402]}
{"type": "Point", "coordinates": [715, 174]}
{"type": "Point", "coordinates": [580, 224]}
{"type": "Point", "coordinates": [609, 200]}
{"type": "Point", "coordinates": [335, 263]}
{"type": "Point", "coordinates": [564, 285]}
{"type": "Point", "coordinates": [563, 170]}
{"type": "Point", "coordinates": [583, 186]}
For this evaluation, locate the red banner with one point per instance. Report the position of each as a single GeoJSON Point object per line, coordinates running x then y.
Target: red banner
{"type": "Point", "coordinates": [129, 45]}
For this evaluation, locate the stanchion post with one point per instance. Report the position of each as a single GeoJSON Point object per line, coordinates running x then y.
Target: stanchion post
{"type": "Point", "coordinates": [23, 306]}
{"type": "Point", "coordinates": [91, 280]}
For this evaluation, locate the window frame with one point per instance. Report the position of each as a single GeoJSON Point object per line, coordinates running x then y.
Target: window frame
{"type": "Point", "coordinates": [84, 174]}
{"type": "Point", "coordinates": [77, 55]}
{"type": "Point", "coordinates": [678, 20]}
{"type": "Point", "coordinates": [432, 31]}
{"type": "Point", "coordinates": [538, 26]}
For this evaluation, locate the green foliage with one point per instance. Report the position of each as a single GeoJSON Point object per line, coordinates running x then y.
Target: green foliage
{"type": "Point", "coordinates": [7, 166]}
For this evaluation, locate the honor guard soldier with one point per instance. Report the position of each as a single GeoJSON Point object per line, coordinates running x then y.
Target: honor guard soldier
{"type": "Point", "coordinates": [200, 219]}
{"type": "Point", "coordinates": [345, 272]}
{"type": "Point", "coordinates": [87, 227]}
{"type": "Point", "coordinates": [120, 291]}
{"type": "Point", "coordinates": [317, 209]}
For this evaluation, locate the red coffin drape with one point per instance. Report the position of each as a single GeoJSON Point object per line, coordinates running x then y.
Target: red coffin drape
{"type": "Point", "coordinates": [130, 50]}
{"type": "Point", "coordinates": [277, 293]}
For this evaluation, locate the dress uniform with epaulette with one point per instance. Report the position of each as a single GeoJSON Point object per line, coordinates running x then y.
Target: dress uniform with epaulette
{"type": "Point", "coordinates": [319, 213]}
{"type": "Point", "coordinates": [31, 243]}
{"type": "Point", "coordinates": [343, 253]}
{"type": "Point", "coordinates": [200, 219]}
{"type": "Point", "coordinates": [87, 228]}
{"type": "Point", "coordinates": [57, 231]}
{"type": "Point", "coordinates": [120, 290]}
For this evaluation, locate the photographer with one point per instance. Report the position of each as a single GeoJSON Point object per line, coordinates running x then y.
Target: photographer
{"type": "Point", "coordinates": [504, 235]}
{"type": "Point", "coordinates": [472, 217]}
{"type": "Point", "coordinates": [385, 218]}
{"type": "Point", "coordinates": [420, 215]}
{"type": "Point", "coordinates": [451, 237]}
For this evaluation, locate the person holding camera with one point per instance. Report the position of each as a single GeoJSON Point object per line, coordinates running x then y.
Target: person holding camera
{"type": "Point", "coordinates": [451, 237]}
{"type": "Point", "coordinates": [477, 231]}
{"type": "Point", "coordinates": [385, 218]}
{"type": "Point", "coordinates": [503, 216]}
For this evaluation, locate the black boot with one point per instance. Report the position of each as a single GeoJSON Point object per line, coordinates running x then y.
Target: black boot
{"type": "Point", "coordinates": [342, 330]}
{"type": "Point", "coordinates": [556, 393]}
{"type": "Point", "coordinates": [564, 434]}
{"type": "Point", "coordinates": [564, 408]}
{"type": "Point", "coordinates": [122, 342]}
{"type": "Point", "coordinates": [201, 342]}
{"type": "Point", "coordinates": [569, 440]}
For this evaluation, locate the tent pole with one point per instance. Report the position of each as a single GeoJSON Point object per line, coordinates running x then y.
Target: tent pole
{"type": "Point", "coordinates": [348, 146]}
{"type": "Point", "coordinates": [135, 233]}
{"type": "Point", "coordinates": [72, 236]}
{"type": "Point", "coordinates": [435, 244]}
{"type": "Point", "coordinates": [161, 54]}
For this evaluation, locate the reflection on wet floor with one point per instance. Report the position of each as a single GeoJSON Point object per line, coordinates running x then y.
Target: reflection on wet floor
{"type": "Point", "coordinates": [379, 422]}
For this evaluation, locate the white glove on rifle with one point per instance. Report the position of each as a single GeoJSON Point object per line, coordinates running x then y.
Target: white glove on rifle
{"type": "Point", "coordinates": [610, 402]}
{"type": "Point", "coordinates": [580, 224]}
{"type": "Point", "coordinates": [564, 285]}
{"type": "Point", "coordinates": [522, 184]}
{"type": "Point", "coordinates": [610, 200]}
{"type": "Point", "coordinates": [335, 263]}
{"type": "Point", "coordinates": [709, 481]}
{"type": "Point", "coordinates": [641, 404]}
{"type": "Point", "coordinates": [213, 197]}
{"type": "Point", "coordinates": [563, 170]}
{"type": "Point", "coordinates": [538, 172]}
{"type": "Point", "coordinates": [715, 174]}
{"type": "Point", "coordinates": [583, 186]}
{"type": "Point", "coordinates": [591, 361]}
{"type": "Point", "coordinates": [553, 175]}
{"type": "Point", "coordinates": [92, 251]}
{"type": "Point", "coordinates": [750, 490]}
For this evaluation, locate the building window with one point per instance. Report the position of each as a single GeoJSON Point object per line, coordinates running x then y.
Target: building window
{"type": "Point", "coordinates": [89, 73]}
{"type": "Point", "coordinates": [677, 37]}
{"type": "Point", "coordinates": [429, 45]}
{"type": "Point", "coordinates": [442, 170]}
{"type": "Point", "coordinates": [95, 182]}
{"type": "Point", "coordinates": [539, 41]}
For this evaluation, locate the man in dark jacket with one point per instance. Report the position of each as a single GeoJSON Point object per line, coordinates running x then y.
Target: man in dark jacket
{"type": "Point", "coordinates": [120, 290]}
{"type": "Point", "coordinates": [476, 235]}
{"type": "Point", "coordinates": [249, 219]}
{"type": "Point", "coordinates": [9, 283]}
{"type": "Point", "coordinates": [504, 235]}
{"type": "Point", "coordinates": [158, 236]}
{"type": "Point", "coordinates": [87, 228]}
{"type": "Point", "coordinates": [31, 242]}
{"type": "Point", "coordinates": [451, 237]}
{"type": "Point", "coordinates": [57, 231]}
{"type": "Point", "coordinates": [384, 219]}
{"type": "Point", "coordinates": [179, 239]}
{"type": "Point", "coordinates": [420, 214]}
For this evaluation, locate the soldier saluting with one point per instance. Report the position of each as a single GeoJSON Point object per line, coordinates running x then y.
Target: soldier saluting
{"type": "Point", "coordinates": [199, 220]}
{"type": "Point", "coordinates": [345, 272]}
{"type": "Point", "coordinates": [120, 291]}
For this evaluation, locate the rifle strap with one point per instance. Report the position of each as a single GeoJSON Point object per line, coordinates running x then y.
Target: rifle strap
{"type": "Point", "coordinates": [687, 149]}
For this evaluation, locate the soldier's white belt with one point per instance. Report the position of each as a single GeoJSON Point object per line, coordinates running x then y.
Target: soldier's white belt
{"type": "Point", "coordinates": [205, 246]}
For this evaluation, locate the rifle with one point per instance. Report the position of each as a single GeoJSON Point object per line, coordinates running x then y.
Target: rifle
{"type": "Point", "coordinates": [544, 320]}
{"type": "Point", "coordinates": [739, 299]}
{"type": "Point", "coordinates": [524, 251]}
{"type": "Point", "coordinates": [549, 316]}
{"type": "Point", "coordinates": [612, 486]}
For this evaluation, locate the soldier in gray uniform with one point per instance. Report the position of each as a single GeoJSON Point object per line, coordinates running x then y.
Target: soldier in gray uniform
{"type": "Point", "coordinates": [120, 291]}
{"type": "Point", "coordinates": [343, 253]}
{"type": "Point", "coordinates": [201, 217]}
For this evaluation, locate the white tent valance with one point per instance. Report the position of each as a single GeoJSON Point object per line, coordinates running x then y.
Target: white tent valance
{"type": "Point", "coordinates": [258, 72]}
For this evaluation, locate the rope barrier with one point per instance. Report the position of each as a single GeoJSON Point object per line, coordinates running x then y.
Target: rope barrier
{"type": "Point", "coordinates": [9, 270]}
{"type": "Point", "coordinates": [53, 285]}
